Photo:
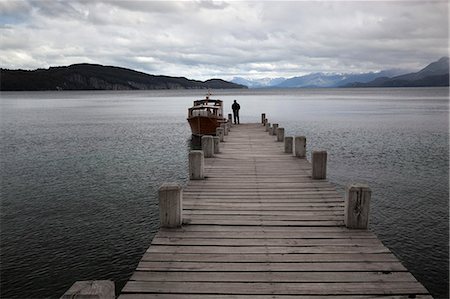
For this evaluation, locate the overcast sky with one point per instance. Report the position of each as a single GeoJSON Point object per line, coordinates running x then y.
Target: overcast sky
{"type": "Point", "coordinates": [223, 39]}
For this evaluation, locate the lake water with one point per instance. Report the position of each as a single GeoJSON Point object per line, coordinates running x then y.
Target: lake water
{"type": "Point", "coordinates": [80, 173]}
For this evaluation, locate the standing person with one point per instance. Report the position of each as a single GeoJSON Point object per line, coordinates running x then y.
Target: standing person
{"type": "Point", "coordinates": [235, 107]}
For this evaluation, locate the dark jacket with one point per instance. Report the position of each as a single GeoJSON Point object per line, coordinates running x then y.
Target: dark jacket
{"type": "Point", "coordinates": [235, 106]}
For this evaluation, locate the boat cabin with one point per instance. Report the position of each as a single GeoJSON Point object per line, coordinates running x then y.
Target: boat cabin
{"type": "Point", "coordinates": [206, 107]}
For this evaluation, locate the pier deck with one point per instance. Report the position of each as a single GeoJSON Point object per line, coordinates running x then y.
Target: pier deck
{"type": "Point", "coordinates": [259, 227]}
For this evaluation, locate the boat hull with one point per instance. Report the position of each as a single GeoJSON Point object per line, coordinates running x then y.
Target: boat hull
{"type": "Point", "coordinates": [203, 125]}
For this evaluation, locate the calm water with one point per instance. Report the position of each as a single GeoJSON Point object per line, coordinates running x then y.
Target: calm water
{"type": "Point", "coordinates": [80, 173]}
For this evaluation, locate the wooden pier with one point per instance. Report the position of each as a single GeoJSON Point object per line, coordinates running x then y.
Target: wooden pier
{"type": "Point", "coordinates": [258, 226]}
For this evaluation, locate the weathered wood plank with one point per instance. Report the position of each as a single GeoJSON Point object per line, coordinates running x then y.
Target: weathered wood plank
{"type": "Point", "coordinates": [299, 277]}
{"type": "Point", "coordinates": [262, 222]}
{"type": "Point", "coordinates": [266, 258]}
{"type": "Point", "coordinates": [265, 235]}
{"type": "Point", "coordinates": [274, 217]}
{"type": "Point", "coordinates": [268, 229]}
{"type": "Point", "coordinates": [250, 296]}
{"type": "Point", "coordinates": [276, 288]}
{"type": "Point", "coordinates": [272, 266]}
{"type": "Point", "coordinates": [180, 249]}
{"type": "Point", "coordinates": [265, 242]}
{"type": "Point", "coordinates": [303, 215]}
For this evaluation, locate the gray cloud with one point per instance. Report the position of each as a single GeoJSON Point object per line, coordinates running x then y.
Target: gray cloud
{"type": "Point", "coordinates": [203, 39]}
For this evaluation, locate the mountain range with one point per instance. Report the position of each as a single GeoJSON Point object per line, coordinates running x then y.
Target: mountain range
{"type": "Point", "coordinates": [435, 74]}
{"type": "Point", "coordinates": [98, 77]}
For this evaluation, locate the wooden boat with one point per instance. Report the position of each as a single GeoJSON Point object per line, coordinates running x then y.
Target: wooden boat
{"type": "Point", "coordinates": [205, 116]}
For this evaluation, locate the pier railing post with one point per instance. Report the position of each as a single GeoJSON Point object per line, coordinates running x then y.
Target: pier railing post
{"type": "Point", "coordinates": [225, 128]}
{"type": "Point", "coordinates": [208, 146]}
{"type": "Point", "coordinates": [319, 165]}
{"type": "Point", "coordinates": [263, 117]}
{"type": "Point", "coordinates": [288, 142]}
{"type": "Point", "coordinates": [300, 146]}
{"type": "Point", "coordinates": [274, 129]}
{"type": "Point", "coordinates": [220, 134]}
{"type": "Point", "coordinates": [230, 119]}
{"type": "Point", "coordinates": [91, 289]}
{"type": "Point", "coordinates": [280, 134]}
{"type": "Point", "coordinates": [196, 165]}
{"type": "Point", "coordinates": [170, 205]}
{"type": "Point", "coordinates": [216, 141]}
{"type": "Point", "coordinates": [357, 206]}
{"type": "Point", "coordinates": [267, 127]}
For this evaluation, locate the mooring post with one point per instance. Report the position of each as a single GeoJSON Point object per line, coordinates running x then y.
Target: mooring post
{"type": "Point", "coordinates": [288, 142]}
{"type": "Point", "coordinates": [267, 126]}
{"type": "Point", "coordinates": [263, 117]}
{"type": "Point", "coordinates": [91, 289]}
{"type": "Point", "coordinates": [280, 134]}
{"type": "Point", "coordinates": [230, 119]}
{"type": "Point", "coordinates": [170, 205]}
{"type": "Point", "coordinates": [274, 129]}
{"type": "Point", "coordinates": [216, 141]}
{"type": "Point", "coordinates": [319, 165]}
{"type": "Point", "coordinates": [225, 128]}
{"type": "Point", "coordinates": [265, 121]}
{"type": "Point", "coordinates": [208, 146]}
{"type": "Point", "coordinates": [196, 165]}
{"type": "Point", "coordinates": [357, 206]}
{"type": "Point", "coordinates": [220, 134]}
{"type": "Point", "coordinates": [300, 146]}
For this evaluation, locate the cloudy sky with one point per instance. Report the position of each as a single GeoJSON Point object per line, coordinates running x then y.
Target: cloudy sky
{"type": "Point", "coordinates": [224, 39]}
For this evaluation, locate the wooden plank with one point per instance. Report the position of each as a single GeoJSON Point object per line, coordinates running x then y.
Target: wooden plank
{"type": "Point", "coordinates": [250, 296]}
{"type": "Point", "coordinates": [203, 221]}
{"type": "Point", "coordinates": [265, 242]}
{"type": "Point", "coordinates": [266, 258]}
{"type": "Point", "coordinates": [265, 235]}
{"type": "Point", "coordinates": [202, 209]}
{"type": "Point", "coordinates": [268, 229]}
{"type": "Point", "coordinates": [272, 266]}
{"type": "Point", "coordinates": [295, 217]}
{"type": "Point", "coordinates": [276, 288]}
{"type": "Point", "coordinates": [303, 215]}
{"type": "Point", "coordinates": [299, 277]}
{"type": "Point", "coordinates": [180, 249]}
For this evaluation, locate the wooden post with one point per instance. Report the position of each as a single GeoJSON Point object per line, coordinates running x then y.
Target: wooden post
{"type": "Point", "coordinates": [319, 165]}
{"type": "Point", "coordinates": [265, 121]}
{"type": "Point", "coordinates": [196, 165]}
{"type": "Point", "coordinates": [220, 134]}
{"type": "Point", "coordinates": [208, 146]}
{"type": "Point", "coordinates": [91, 289]}
{"type": "Point", "coordinates": [280, 134]}
{"type": "Point", "coordinates": [288, 144]}
{"type": "Point", "coordinates": [170, 205]}
{"type": "Point", "coordinates": [230, 119]}
{"type": "Point", "coordinates": [357, 206]}
{"type": "Point", "coordinates": [267, 126]}
{"type": "Point", "coordinates": [216, 141]}
{"type": "Point", "coordinates": [263, 117]}
{"type": "Point", "coordinates": [271, 131]}
{"type": "Point", "coordinates": [274, 129]}
{"type": "Point", "coordinates": [225, 128]}
{"type": "Point", "coordinates": [300, 146]}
